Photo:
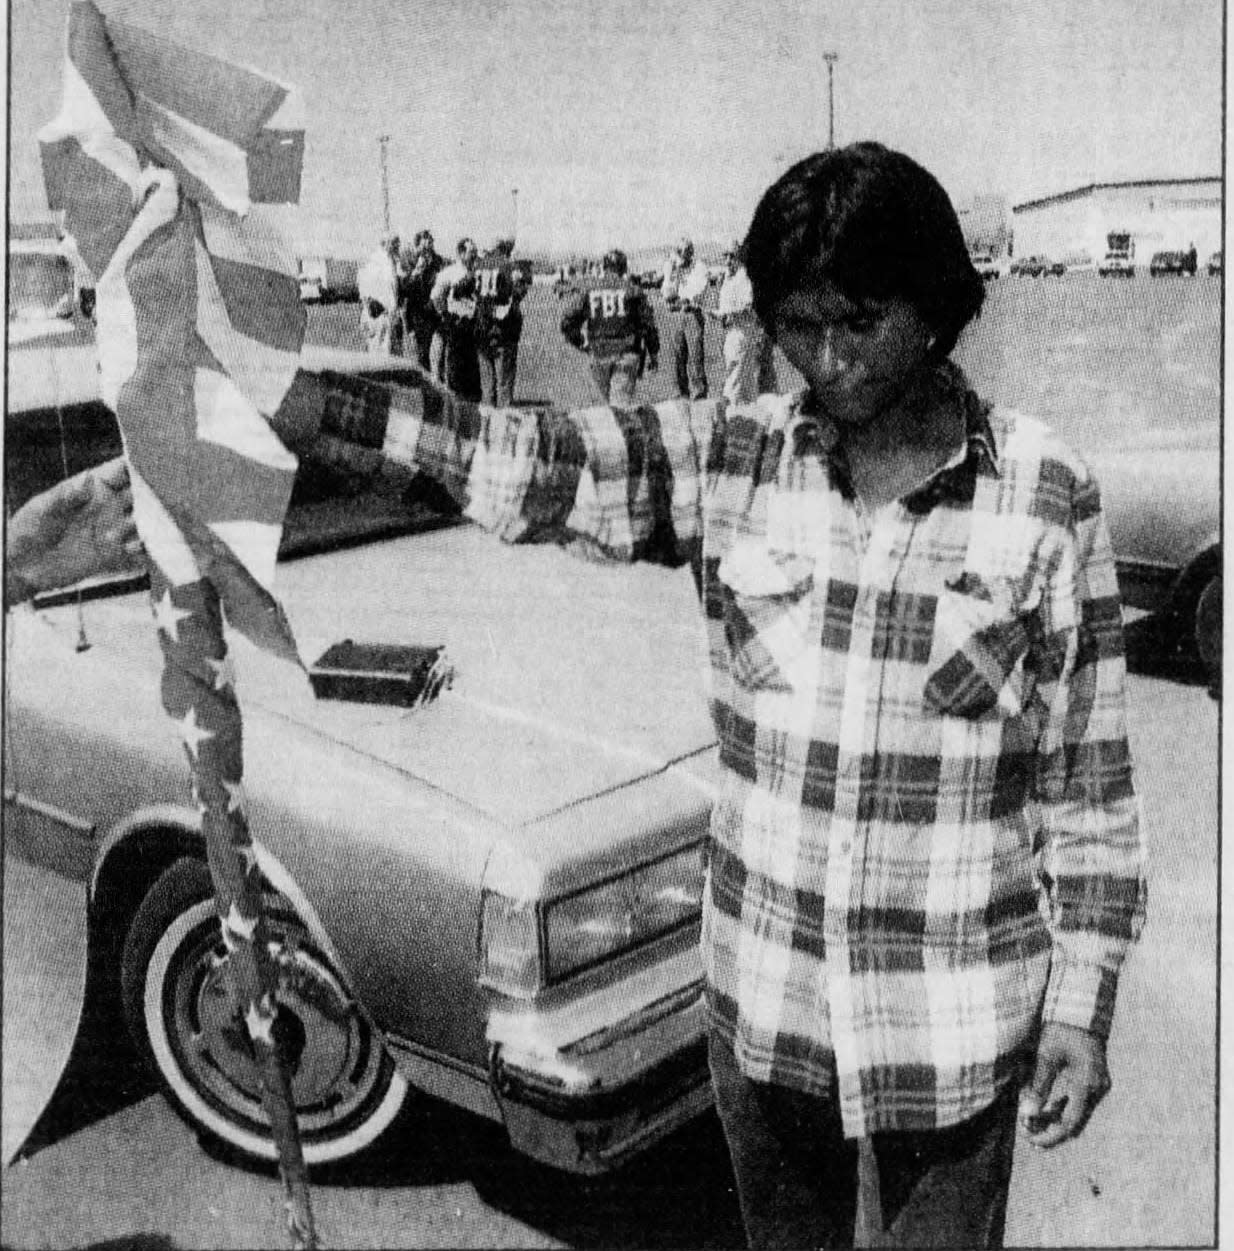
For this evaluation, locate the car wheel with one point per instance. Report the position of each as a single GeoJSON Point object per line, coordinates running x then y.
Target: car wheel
{"type": "Point", "coordinates": [177, 1004]}
{"type": "Point", "coordinates": [1207, 626]}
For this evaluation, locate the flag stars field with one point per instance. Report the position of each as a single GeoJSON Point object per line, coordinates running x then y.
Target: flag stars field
{"type": "Point", "coordinates": [169, 616]}
{"type": "Point", "coordinates": [193, 734]}
{"type": "Point", "coordinates": [224, 672]}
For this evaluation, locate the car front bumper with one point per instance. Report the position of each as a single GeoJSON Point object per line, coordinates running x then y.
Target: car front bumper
{"type": "Point", "coordinates": [584, 1094]}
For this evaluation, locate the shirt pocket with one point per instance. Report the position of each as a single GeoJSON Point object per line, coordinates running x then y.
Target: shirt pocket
{"type": "Point", "coordinates": [766, 595]}
{"type": "Point", "coordinates": [982, 635]}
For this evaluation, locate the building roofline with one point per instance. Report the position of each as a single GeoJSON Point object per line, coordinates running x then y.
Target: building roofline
{"type": "Point", "coordinates": [1078, 193]}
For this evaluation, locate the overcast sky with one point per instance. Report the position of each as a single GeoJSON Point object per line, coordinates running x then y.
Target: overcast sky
{"type": "Point", "coordinates": [627, 122]}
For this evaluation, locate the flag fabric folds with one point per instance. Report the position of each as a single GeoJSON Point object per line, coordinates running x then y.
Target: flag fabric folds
{"type": "Point", "coordinates": [161, 160]}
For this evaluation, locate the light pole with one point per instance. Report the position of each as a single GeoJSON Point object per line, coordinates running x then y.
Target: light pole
{"type": "Point", "coordinates": [384, 143]}
{"type": "Point", "coordinates": [514, 198]}
{"type": "Point", "coordinates": [831, 58]}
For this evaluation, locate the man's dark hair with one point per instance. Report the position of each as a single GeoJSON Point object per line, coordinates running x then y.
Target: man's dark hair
{"type": "Point", "coordinates": [614, 261]}
{"type": "Point", "coordinates": [876, 225]}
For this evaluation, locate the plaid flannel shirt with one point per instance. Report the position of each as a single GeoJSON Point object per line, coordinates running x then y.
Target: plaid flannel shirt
{"type": "Point", "coordinates": [926, 840]}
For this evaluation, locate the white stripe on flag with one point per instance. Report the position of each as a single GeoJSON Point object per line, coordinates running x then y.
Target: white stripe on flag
{"type": "Point", "coordinates": [116, 335]}
{"type": "Point", "coordinates": [255, 545]}
{"type": "Point", "coordinates": [260, 239]}
{"type": "Point", "coordinates": [164, 543]}
{"type": "Point", "coordinates": [219, 164]}
{"type": "Point", "coordinates": [226, 417]}
{"type": "Point", "coordinates": [262, 372]}
{"type": "Point", "coordinates": [81, 117]}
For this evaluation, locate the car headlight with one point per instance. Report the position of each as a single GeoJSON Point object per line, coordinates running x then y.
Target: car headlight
{"type": "Point", "coordinates": [527, 944]}
{"type": "Point", "coordinates": [623, 913]}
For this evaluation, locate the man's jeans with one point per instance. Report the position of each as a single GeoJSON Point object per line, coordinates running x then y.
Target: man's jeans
{"type": "Point", "coordinates": [688, 359]}
{"type": "Point", "coordinates": [797, 1175]}
{"type": "Point", "coordinates": [616, 377]}
{"type": "Point", "coordinates": [498, 369]}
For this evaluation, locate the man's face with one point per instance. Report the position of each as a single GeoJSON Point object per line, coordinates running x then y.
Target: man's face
{"type": "Point", "coordinates": [426, 244]}
{"type": "Point", "coordinates": [858, 359]}
{"type": "Point", "coordinates": [468, 255]}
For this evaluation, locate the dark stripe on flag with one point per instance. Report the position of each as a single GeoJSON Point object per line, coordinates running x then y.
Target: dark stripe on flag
{"type": "Point", "coordinates": [276, 161]}
{"type": "Point", "coordinates": [90, 51]}
{"type": "Point", "coordinates": [250, 609]}
{"type": "Point", "coordinates": [224, 99]}
{"type": "Point", "coordinates": [226, 486]}
{"type": "Point", "coordinates": [98, 206]}
{"type": "Point", "coordinates": [262, 304]}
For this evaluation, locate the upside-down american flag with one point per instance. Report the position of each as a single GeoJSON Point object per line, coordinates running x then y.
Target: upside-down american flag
{"type": "Point", "coordinates": [162, 161]}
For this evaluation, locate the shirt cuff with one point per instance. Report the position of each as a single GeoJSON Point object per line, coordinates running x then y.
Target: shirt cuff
{"type": "Point", "coordinates": [1080, 993]}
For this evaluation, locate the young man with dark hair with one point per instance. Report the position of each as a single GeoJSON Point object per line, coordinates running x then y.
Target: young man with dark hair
{"type": "Point", "coordinates": [925, 865]}
{"type": "Point", "coordinates": [611, 319]}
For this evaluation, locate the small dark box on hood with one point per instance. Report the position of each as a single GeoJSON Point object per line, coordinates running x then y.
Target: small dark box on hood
{"type": "Point", "coordinates": [401, 674]}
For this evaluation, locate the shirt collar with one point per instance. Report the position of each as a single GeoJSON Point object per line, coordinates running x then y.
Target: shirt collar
{"type": "Point", "coordinates": [806, 432]}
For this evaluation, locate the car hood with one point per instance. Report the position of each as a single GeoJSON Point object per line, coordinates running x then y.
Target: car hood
{"type": "Point", "coordinates": [1161, 495]}
{"type": "Point", "coordinates": [571, 678]}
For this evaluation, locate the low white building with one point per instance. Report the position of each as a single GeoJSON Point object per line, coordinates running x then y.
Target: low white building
{"type": "Point", "coordinates": [1158, 213]}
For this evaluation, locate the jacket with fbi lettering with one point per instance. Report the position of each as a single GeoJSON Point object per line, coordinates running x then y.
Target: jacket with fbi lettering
{"type": "Point", "coordinates": [610, 316]}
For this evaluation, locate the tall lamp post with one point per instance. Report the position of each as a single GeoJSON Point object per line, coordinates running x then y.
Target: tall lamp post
{"type": "Point", "coordinates": [831, 58]}
{"type": "Point", "coordinates": [384, 143]}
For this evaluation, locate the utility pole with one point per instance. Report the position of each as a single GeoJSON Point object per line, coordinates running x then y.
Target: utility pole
{"type": "Point", "coordinates": [514, 198]}
{"type": "Point", "coordinates": [384, 142]}
{"type": "Point", "coordinates": [831, 58]}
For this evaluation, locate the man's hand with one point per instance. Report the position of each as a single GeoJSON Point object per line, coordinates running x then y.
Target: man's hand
{"type": "Point", "coordinates": [80, 527]}
{"type": "Point", "coordinates": [1069, 1081]}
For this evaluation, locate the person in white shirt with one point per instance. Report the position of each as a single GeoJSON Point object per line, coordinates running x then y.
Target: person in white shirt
{"type": "Point", "coordinates": [455, 296]}
{"type": "Point", "coordinates": [683, 288]}
{"type": "Point", "coordinates": [381, 321]}
{"type": "Point", "coordinates": [749, 370]}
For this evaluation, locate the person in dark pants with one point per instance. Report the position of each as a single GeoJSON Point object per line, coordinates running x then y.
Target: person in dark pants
{"type": "Point", "coordinates": [456, 300]}
{"type": "Point", "coordinates": [683, 288]}
{"type": "Point", "coordinates": [612, 320]}
{"type": "Point", "coordinates": [422, 322]}
{"type": "Point", "coordinates": [925, 865]}
{"type": "Point", "coordinates": [499, 324]}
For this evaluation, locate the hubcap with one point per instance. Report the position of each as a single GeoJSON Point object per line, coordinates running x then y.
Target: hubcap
{"type": "Point", "coordinates": [323, 1040]}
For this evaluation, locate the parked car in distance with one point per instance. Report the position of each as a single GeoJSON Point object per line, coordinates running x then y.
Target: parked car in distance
{"type": "Point", "coordinates": [1162, 500]}
{"type": "Point", "coordinates": [494, 898]}
{"type": "Point", "coordinates": [1055, 269]}
{"type": "Point", "coordinates": [1029, 266]}
{"type": "Point", "coordinates": [1216, 263]}
{"type": "Point", "coordinates": [986, 265]}
{"type": "Point", "coordinates": [1164, 263]}
{"type": "Point", "coordinates": [1119, 259]}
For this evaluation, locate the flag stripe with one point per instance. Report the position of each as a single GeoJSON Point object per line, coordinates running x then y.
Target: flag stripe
{"type": "Point", "coordinates": [165, 545]}
{"type": "Point", "coordinates": [90, 56]}
{"type": "Point", "coordinates": [225, 99]}
{"type": "Point", "coordinates": [71, 174]}
{"type": "Point", "coordinates": [211, 168]}
{"type": "Point", "coordinates": [263, 370]}
{"type": "Point", "coordinates": [276, 161]}
{"type": "Point", "coordinates": [226, 417]}
{"type": "Point", "coordinates": [262, 304]}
